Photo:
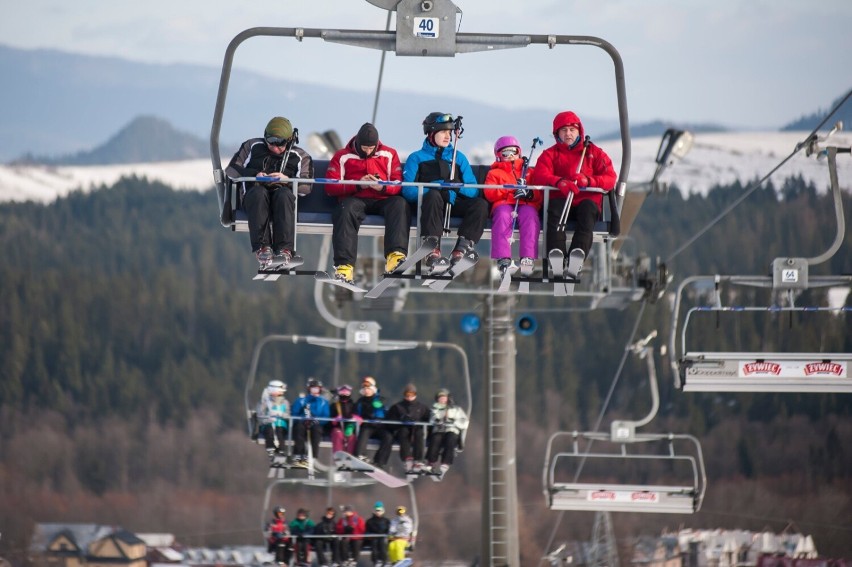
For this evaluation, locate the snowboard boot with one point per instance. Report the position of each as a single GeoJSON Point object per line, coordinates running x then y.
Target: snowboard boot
{"type": "Point", "coordinates": [463, 246]}
{"type": "Point", "coordinates": [393, 260]}
{"type": "Point", "coordinates": [345, 273]}
{"type": "Point", "coordinates": [527, 267]}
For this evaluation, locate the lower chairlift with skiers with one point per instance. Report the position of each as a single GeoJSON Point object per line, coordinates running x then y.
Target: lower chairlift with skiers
{"type": "Point", "coordinates": [340, 466]}
{"type": "Point", "coordinates": [599, 471]}
{"type": "Point", "coordinates": [332, 527]}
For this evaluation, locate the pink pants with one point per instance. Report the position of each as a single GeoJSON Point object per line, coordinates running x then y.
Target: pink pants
{"type": "Point", "coordinates": [339, 442]}
{"type": "Point", "coordinates": [529, 227]}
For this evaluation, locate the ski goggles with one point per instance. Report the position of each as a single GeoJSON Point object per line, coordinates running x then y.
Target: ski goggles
{"type": "Point", "coordinates": [511, 151]}
{"type": "Point", "coordinates": [443, 119]}
{"type": "Point", "coordinates": [276, 141]}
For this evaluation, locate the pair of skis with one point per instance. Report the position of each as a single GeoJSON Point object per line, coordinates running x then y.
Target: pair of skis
{"type": "Point", "coordinates": [443, 272]}
{"type": "Point", "coordinates": [274, 269]}
{"type": "Point", "coordinates": [563, 281]}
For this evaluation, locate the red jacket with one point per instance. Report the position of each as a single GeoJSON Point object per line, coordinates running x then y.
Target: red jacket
{"type": "Point", "coordinates": [560, 162]}
{"type": "Point", "coordinates": [353, 525]}
{"type": "Point", "coordinates": [349, 166]}
{"type": "Point", "coordinates": [508, 173]}
{"type": "Point", "coordinates": [278, 530]}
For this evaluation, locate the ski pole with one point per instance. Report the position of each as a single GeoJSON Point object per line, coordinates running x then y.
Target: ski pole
{"type": "Point", "coordinates": [563, 218]}
{"type": "Point", "coordinates": [522, 181]}
{"type": "Point", "coordinates": [458, 130]}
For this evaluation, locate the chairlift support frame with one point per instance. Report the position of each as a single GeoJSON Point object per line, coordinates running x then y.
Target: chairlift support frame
{"type": "Point", "coordinates": [698, 370]}
{"type": "Point", "coordinates": [620, 497]}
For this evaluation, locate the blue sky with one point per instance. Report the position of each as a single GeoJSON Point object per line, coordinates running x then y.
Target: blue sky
{"type": "Point", "coordinates": [752, 64]}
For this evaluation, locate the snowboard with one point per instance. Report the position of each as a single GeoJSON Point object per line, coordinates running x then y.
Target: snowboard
{"type": "Point", "coordinates": [324, 277]}
{"type": "Point", "coordinates": [346, 462]}
{"type": "Point", "coordinates": [429, 243]}
{"type": "Point", "coordinates": [467, 261]}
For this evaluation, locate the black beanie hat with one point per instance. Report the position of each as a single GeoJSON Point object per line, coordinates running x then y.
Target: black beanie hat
{"type": "Point", "coordinates": [367, 135]}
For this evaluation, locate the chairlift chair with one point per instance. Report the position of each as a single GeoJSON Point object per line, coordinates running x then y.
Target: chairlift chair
{"type": "Point", "coordinates": [568, 464]}
{"type": "Point", "coordinates": [700, 369]}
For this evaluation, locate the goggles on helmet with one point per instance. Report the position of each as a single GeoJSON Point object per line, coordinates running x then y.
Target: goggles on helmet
{"type": "Point", "coordinates": [276, 141]}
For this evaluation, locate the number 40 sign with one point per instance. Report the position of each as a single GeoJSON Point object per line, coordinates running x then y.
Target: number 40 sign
{"type": "Point", "coordinates": [426, 27]}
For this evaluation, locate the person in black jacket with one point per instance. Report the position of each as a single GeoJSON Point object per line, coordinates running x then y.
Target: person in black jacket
{"type": "Point", "coordinates": [271, 207]}
{"type": "Point", "coordinates": [327, 548]}
{"type": "Point", "coordinates": [411, 438]}
{"type": "Point", "coordinates": [371, 408]}
{"type": "Point", "coordinates": [378, 525]}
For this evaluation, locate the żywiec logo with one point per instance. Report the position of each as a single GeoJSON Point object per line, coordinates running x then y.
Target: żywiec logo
{"type": "Point", "coordinates": [602, 495]}
{"type": "Point", "coordinates": [762, 368]}
{"type": "Point", "coordinates": [823, 368]}
{"type": "Point", "coordinates": [644, 497]}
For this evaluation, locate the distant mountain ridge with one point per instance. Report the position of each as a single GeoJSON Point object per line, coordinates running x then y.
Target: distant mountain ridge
{"type": "Point", "coordinates": [65, 108]}
{"type": "Point", "coordinates": [810, 121]}
{"type": "Point", "coordinates": [145, 139]}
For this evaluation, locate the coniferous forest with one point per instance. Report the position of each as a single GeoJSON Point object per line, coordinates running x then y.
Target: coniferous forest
{"type": "Point", "coordinates": [130, 318]}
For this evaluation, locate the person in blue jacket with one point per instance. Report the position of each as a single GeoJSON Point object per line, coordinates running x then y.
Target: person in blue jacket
{"type": "Point", "coordinates": [432, 163]}
{"type": "Point", "coordinates": [307, 409]}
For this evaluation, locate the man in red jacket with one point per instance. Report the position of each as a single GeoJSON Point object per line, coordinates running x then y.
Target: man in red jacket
{"type": "Point", "coordinates": [570, 165]}
{"type": "Point", "coordinates": [365, 158]}
{"type": "Point", "coordinates": [353, 526]}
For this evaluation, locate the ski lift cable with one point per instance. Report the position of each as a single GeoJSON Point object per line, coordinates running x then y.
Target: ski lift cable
{"type": "Point", "coordinates": [381, 73]}
{"type": "Point", "coordinates": [598, 422]}
{"type": "Point", "coordinates": [754, 186]}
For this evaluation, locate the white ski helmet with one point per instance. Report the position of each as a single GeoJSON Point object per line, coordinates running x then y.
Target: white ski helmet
{"type": "Point", "coordinates": [277, 385]}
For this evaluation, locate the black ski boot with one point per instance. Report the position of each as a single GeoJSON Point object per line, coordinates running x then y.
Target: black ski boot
{"type": "Point", "coordinates": [463, 246]}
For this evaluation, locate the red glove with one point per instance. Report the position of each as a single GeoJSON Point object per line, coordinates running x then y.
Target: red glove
{"type": "Point", "coordinates": [581, 179]}
{"type": "Point", "coordinates": [565, 187]}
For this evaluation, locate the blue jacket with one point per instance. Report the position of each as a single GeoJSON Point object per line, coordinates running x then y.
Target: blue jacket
{"type": "Point", "coordinates": [427, 166]}
{"type": "Point", "coordinates": [318, 405]}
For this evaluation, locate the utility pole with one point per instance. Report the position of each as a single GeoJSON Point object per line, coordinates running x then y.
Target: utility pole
{"type": "Point", "coordinates": [500, 546]}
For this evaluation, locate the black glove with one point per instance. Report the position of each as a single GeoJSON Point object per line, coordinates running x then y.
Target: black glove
{"type": "Point", "coordinates": [523, 193]}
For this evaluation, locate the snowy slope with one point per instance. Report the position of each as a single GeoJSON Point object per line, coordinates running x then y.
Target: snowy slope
{"type": "Point", "coordinates": [716, 158]}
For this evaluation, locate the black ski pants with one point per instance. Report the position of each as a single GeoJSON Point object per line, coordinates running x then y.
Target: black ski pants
{"type": "Point", "coordinates": [412, 442]}
{"type": "Point", "coordinates": [474, 213]}
{"type": "Point", "coordinates": [301, 428]}
{"type": "Point", "coordinates": [379, 549]}
{"type": "Point", "coordinates": [271, 212]}
{"type": "Point", "coordinates": [328, 550]}
{"type": "Point", "coordinates": [350, 213]}
{"type": "Point", "coordinates": [271, 434]}
{"type": "Point", "coordinates": [586, 214]}
{"type": "Point", "coordinates": [379, 432]}
{"type": "Point", "coordinates": [442, 447]}
{"type": "Point", "coordinates": [283, 551]}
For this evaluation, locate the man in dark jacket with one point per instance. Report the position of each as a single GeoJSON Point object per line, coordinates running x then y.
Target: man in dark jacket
{"type": "Point", "coordinates": [371, 408]}
{"type": "Point", "coordinates": [270, 207]}
{"type": "Point", "coordinates": [411, 437]}
{"type": "Point", "coordinates": [378, 525]}
{"type": "Point", "coordinates": [327, 548]}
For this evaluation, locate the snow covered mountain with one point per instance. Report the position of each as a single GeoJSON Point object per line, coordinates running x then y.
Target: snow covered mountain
{"type": "Point", "coordinates": [715, 159]}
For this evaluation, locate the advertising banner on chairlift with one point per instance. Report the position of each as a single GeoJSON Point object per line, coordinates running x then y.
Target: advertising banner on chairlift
{"type": "Point", "coordinates": [793, 369]}
{"type": "Point", "coordinates": [633, 496]}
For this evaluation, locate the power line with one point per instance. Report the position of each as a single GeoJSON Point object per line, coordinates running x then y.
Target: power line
{"type": "Point", "coordinates": [750, 189]}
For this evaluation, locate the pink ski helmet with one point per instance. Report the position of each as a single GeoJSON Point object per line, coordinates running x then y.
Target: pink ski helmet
{"type": "Point", "coordinates": [506, 142]}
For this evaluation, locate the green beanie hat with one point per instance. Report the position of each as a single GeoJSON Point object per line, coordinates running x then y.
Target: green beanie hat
{"type": "Point", "coordinates": [279, 127]}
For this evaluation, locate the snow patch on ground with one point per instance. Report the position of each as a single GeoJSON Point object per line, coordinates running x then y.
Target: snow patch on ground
{"type": "Point", "coordinates": [715, 159]}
